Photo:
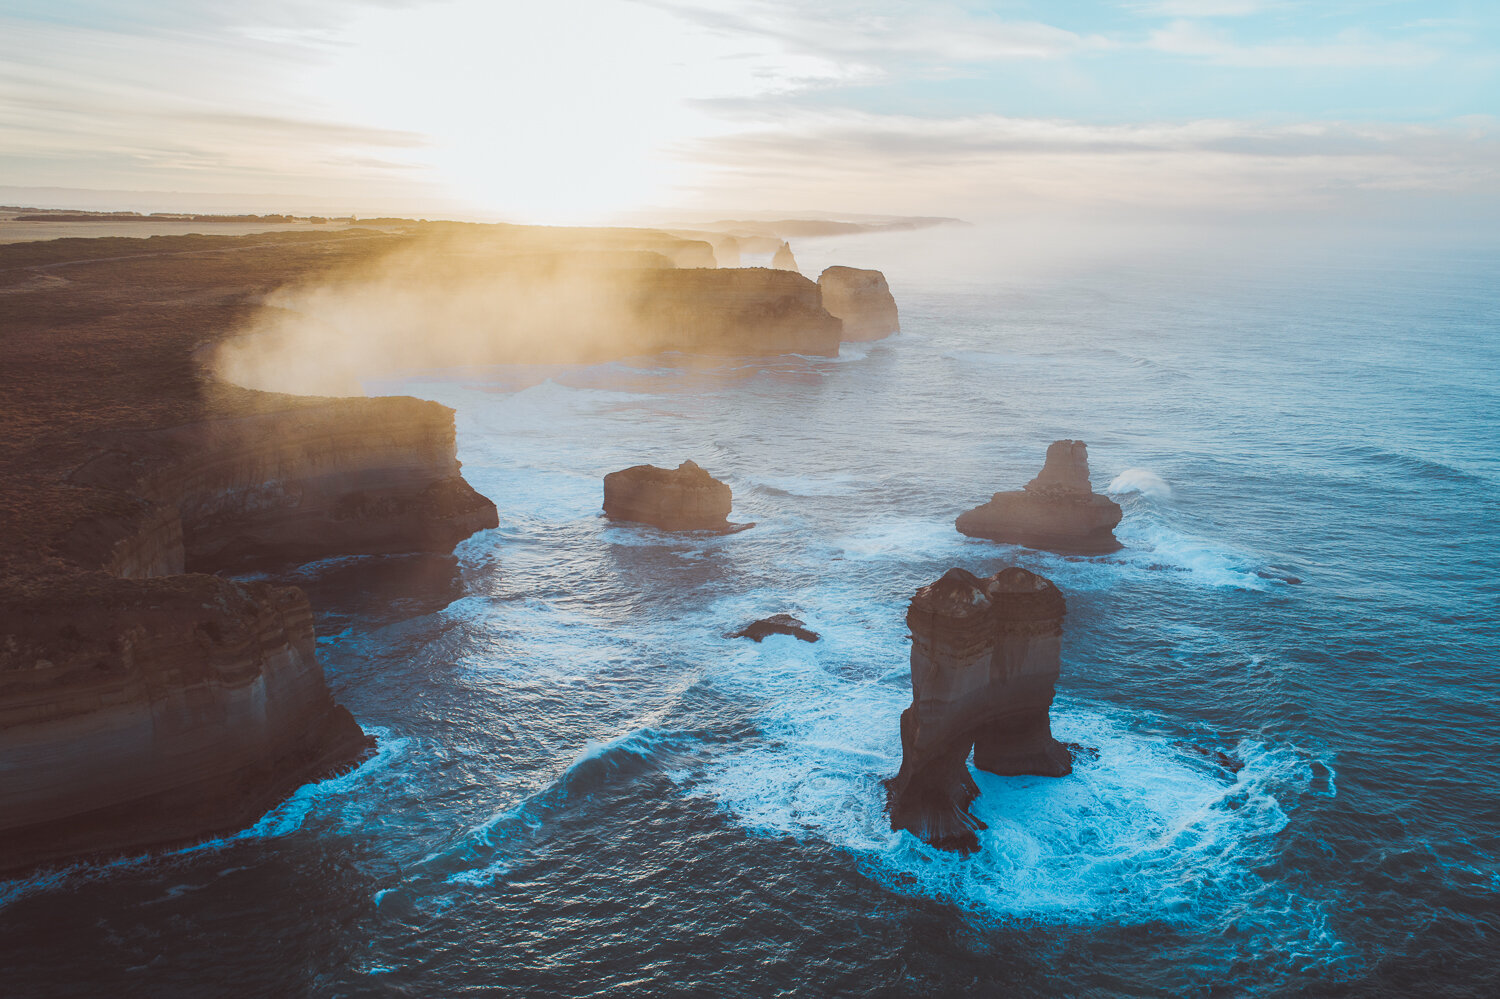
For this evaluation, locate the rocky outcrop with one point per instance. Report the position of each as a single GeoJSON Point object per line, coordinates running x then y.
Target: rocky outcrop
{"type": "Point", "coordinates": [776, 624]}
{"type": "Point", "coordinates": [748, 310]}
{"type": "Point", "coordinates": [138, 713]}
{"type": "Point", "coordinates": [782, 259]}
{"type": "Point", "coordinates": [985, 659]}
{"type": "Point", "coordinates": [862, 299]}
{"type": "Point", "coordinates": [685, 498]}
{"type": "Point", "coordinates": [1056, 511]}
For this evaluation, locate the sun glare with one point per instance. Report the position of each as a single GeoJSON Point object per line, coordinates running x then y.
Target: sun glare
{"type": "Point", "coordinates": [559, 112]}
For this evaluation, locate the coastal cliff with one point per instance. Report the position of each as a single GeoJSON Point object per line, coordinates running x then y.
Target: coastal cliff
{"type": "Point", "coordinates": [985, 659]}
{"type": "Point", "coordinates": [143, 703]}
{"type": "Point", "coordinates": [1056, 511]}
{"type": "Point", "coordinates": [348, 477]}
{"type": "Point", "coordinates": [141, 713]}
{"type": "Point", "coordinates": [862, 299]}
{"type": "Point", "coordinates": [147, 440]}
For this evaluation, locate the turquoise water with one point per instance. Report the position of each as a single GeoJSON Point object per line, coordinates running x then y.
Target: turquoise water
{"type": "Point", "coordinates": [584, 788]}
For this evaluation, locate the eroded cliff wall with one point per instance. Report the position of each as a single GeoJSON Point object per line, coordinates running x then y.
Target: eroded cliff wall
{"type": "Point", "coordinates": [346, 477]}
{"type": "Point", "coordinates": [136, 713]}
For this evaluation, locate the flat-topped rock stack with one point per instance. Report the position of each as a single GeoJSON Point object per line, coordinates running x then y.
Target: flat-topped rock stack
{"type": "Point", "coordinates": [685, 498]}
{"type": "Point", "coordinates": [1056, 511]}
{"type": "Point", "coordinates": [985, 658]}
{"type": "Point", "coordinates": [862, 299]}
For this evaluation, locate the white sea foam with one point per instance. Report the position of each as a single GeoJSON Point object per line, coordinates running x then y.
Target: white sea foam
{"type": "Point", "coordinates": [1144, 833]}
{"type": "Point", "coordinates": [1140, 480]}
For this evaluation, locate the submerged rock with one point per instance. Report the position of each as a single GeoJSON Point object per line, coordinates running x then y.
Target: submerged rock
{"type": "Point", "coordinates": [776, 624]}
{"type": "Point", "coordinates": [1057, 511]}
{"type": "Point", "coordinates": [862, 299]}
{"type": "Point", "coordinates": [685, 498]}
{"type": "Point", "coordinates": [984, 666]}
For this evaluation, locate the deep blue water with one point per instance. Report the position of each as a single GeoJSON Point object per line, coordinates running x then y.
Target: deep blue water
{"type": "Point", "coordinates": [584, 788]}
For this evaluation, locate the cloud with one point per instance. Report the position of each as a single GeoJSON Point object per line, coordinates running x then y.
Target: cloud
{"type": "Point", "coordinates": [1350, 49]}
{"type": "Point", "coordinates": [1205, 8]}
{"type": "Point", "coordinates": [875, 35]}
{"type": "Point", "coordinates": [952, 165]}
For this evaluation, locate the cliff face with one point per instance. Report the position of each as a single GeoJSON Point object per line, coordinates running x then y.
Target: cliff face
{"type": "Point", "coordinates": [353, 477]}
{"type": "Point", "coordinates": [984, 665]}
{"type": "Point", "coordinates": [685, 498]}
{"type": "Point", "coordinates": [143, 704]}
{"type": "Point", "coordinates": [156, 707]}
{"type": "Point", "coordinates": [1057, 510]}
{"type": "Point", "coordinates": [139, 713]}
{"type": "Point", "coordinates": [751, 310]}
{"type": "Point", "coordinates": [862, 299]}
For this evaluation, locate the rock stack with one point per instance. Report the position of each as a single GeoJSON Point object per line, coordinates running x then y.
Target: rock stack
{"type": "Point", "coordinates": [783, 260]}
{"type": "Point", "coordinates": [685, 498]}
{"type": "Point", "coordinates": [862, 299]}
{"type": "Point", "coordinates": [985, 658]}
{"type": "Point", "coordinates": [1057, 511]}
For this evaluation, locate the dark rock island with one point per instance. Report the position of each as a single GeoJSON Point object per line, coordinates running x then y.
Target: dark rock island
{"type": "Point", "coordinates": [1057, 511]}
{"type": "Point", "coordinates": [985, 658]}
{"type": "Point", "coordinates": [776, 624]}
{"type": "Point", "coordinates": [862, 299]}
{"type": "Point", "coordinates": [685, 498]}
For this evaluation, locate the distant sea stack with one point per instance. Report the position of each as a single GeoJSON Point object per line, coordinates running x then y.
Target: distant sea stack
{"type": "Point", "coordinates": [862, 299]}
{"type": "Point", "coordinates": [783, 259]}
{"type": "Point", "coordinates": [1056, 511]}
{"type": "Point", "coordinates": [685, 498]}
{"type": "Point", "coordinates": [985, 659]}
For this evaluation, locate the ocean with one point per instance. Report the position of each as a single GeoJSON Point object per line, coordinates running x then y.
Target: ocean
{"type": "Point", "coordinates": [584, 788]}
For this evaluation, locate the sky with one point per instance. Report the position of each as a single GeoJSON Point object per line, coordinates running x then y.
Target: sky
{"type": "Point", "coordinates": [590, 110]}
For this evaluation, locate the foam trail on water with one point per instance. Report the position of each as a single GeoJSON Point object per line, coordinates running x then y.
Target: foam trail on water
{"type": "Point", "coordinates": [1144, 832]}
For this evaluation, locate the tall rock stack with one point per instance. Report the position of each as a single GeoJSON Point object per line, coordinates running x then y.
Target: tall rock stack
{"type": "Point", "coordinates": [985, 659]}
{"type": "Point", "coordinates": [783, 260]}
{"type": "Point", "coordinates": [862, 299]}
{"type": "Point", "coordinates": [1057, 511]}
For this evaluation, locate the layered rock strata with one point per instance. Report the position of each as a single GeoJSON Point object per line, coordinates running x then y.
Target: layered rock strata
{"type": "Point", "coordinates": [862, 299]}
{"type": "Point", "coordinates": [140, 713]}
{"type": "Point", "coordinates": [352, 477]}
{"type": "Point", "coordinates": [685, 498]}
{"type": "Point", "coordinates": [985, 659]}
{"type": "Point", "coordinates": [1056, 511]}
{"type": "Point", "coordinates": [143, 703]}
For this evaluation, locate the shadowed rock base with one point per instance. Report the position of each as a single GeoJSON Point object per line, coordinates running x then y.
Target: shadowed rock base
{"type": "Point", "coordinates": [1057, 511]}
{"type": "Point", "coordinates": [984, 666]}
